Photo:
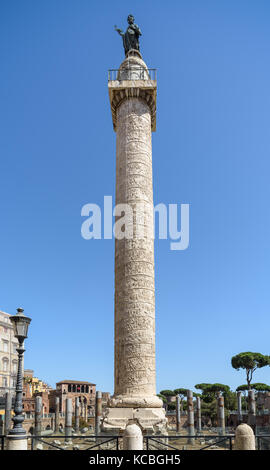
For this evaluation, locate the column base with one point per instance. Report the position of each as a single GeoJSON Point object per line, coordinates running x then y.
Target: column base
{"type": "Point", "coordinates": [134, 401]}
{"type": "Point", "coordinates": [16, 442]}
{"type": "Point", "coordinates": [150, 420]}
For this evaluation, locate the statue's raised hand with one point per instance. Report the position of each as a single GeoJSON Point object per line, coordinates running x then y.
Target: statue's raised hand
{"type": "Point", "coordinates": [118, 30]}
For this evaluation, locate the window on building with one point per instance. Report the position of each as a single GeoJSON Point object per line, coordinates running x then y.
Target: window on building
{"type": "Point", "coordinates": [14, 346]}
{"type": "Point", "coordinates": [14, 367]}
{"type": "Point", "coordinates": [5, 364]}
{"type": "Point", "coordinates": [5, 346]}
{"type": "Point", "coordinates": [14, 382]}
{"type": "Point", "coordinates": [4, 382]}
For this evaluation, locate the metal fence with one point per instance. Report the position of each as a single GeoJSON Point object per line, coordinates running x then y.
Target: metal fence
{"type": "Point", "coordinates": [69, 442]}
{"type": "Point", "coordinates": [137, 73]}
{"type": "Point", "coordinates": [153, 442]}
{"type": "Point", "coordinates": [189, 442]}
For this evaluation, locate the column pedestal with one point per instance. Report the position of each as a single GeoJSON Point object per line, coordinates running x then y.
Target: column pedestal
{"type": "Point", "coordinates": [16, 443]}
{"type": "Point", "coordinates": [150, 420]}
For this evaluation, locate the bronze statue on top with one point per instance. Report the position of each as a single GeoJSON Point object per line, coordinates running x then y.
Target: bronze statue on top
{"type": "Point", "coordinates": [131, 36]}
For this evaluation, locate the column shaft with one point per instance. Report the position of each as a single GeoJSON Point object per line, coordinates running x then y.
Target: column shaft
{"type": "Point", "coordinates": [68, 419]}
{"type": "Point", "coordinates": [221, 415]}
{"type": "Point", "coordinates": [178, 415]}
{"type": "Point", "coordinates": [239, 407]}
{"type": "Point", "coordinates": [98, 413]}
{"type": "Point", "coordinates": [199, 417]}
{"type": "Point", "coordinates": [251, 408]}
{"type": "Point", "coordinates": [56, 423]}
{"type": "Point", "coordinates": [134, 257]}
{"type": "Point", "coordinates": [190, 409]}
{"type": "Point", "coordinates": [77, 414]}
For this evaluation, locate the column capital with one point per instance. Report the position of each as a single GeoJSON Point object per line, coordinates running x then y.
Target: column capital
{"type": "Point", "coordinates": [133, 80]}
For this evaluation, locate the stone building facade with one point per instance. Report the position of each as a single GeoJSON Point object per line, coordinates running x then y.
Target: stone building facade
{"type": "Point", "coordinates": [33, 387]}
{"type": "Point", "coordinates": [8, 355]}
{"type": "Point", "coordinates": [29, 403]}
{"type": "Point", "coordinates": [86, 391]}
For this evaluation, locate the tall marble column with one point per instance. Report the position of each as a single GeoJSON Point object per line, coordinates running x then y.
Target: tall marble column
{"type": "Point", "coordinates": [77, 414]}
{"type": "Point", "coordinates": [239, 407]}
{"type": "Point", "coordinates": [221, 415]}
{"type": "Point", "coordinates": [133, 105]}
{"type": "Point", "coordinates": [190, 419]}
{"type": "Point", "coordinates": [56, 422]}
{"type": "Point", "coordinates": [199, 416]}
{"type": "Point", "coordinates": [251, 408]}
{"type": "Point", "coordinates": [178, 413]}
{"type": "Point", "coordinates": [98, 412]}
{"type": "Point", "coordinates": [68, 420]}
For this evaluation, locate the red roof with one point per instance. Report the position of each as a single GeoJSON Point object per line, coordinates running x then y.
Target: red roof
{"type": "Point", "coordinates": [79, 382]}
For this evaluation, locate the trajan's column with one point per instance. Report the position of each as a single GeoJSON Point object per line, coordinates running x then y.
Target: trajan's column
{"type": "Point", "coordinates": [132, 95]}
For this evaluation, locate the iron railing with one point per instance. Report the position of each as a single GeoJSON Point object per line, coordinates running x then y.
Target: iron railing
{"type": "Point", "coordinates": [69, 441]}
{"type": "Point", "coordinates": [141, 73]}
{"type": "Point", "coordinates": [263, 441]}
{"type": "Point", "coordinates": [161, 442]}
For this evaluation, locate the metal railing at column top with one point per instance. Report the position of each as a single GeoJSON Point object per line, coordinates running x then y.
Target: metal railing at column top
{"type": "Point", "coordinates": [142, 73]}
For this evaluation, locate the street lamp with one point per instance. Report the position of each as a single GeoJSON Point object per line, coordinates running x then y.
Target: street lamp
{"type": "Point", "coordinates": [20, 324]}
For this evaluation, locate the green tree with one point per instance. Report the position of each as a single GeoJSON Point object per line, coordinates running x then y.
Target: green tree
{"type": "Point", "coordinates": [171, 406]}
{"type": "Point", "coordinates": [230, 400]}
{"type": "Point", "coordinates": [167, 393]}
{"type": "Point", "coordinates": [163, 398]}
{"type": "Point", "coordinates": [210, 391]}
{"type": "Point", "coordinates": [181, 391]}
{"type": "Point", "coordinates": [259, 387]}
{"type": "Point", "coordinates": [250, 361]}
{"type": "Point", "coordinates": [207, 396]}
{"type": "Point", "coordinates": [242, 388]}
{"type": "Point", "coordinates": [209, 410]}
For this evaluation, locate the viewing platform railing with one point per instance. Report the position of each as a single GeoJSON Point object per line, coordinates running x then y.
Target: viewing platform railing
{"type": "Point", "coordinates": [137, 73]}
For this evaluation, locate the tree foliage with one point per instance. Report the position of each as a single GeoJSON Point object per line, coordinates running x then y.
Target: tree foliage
{"type": "Point", "coordinates": [250, 361]}
{"type": "Point", "coordinates": [171, 406]}
{"type": "Point", "coordinates": [163, 398]}
{"type": "Point", "coordinates": [260, 387]}
{"type": "Point", "coordinates": [202, 386]}
{"type": "Point", "coordinates": [242, 388]}
{"type": "Point", "coordinates": [181, 391]}
{"type": "Point", "coordinates": [209, 391]}
{"type": "Point", "coordinates": [167, 393]}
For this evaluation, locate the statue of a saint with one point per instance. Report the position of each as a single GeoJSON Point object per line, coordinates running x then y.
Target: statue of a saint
{"type": "Point", "coordinates": [131, 36]}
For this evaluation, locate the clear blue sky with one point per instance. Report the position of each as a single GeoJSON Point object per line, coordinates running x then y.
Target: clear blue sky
{"type": "Point", "coordinates": [211, 150]}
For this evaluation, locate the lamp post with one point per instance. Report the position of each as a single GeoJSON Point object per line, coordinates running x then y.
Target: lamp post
{"type": "Point", "coordinates": [17, 435]}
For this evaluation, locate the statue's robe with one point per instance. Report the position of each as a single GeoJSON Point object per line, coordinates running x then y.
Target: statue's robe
{"type": "Point", "coordinates": [131, 38]}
